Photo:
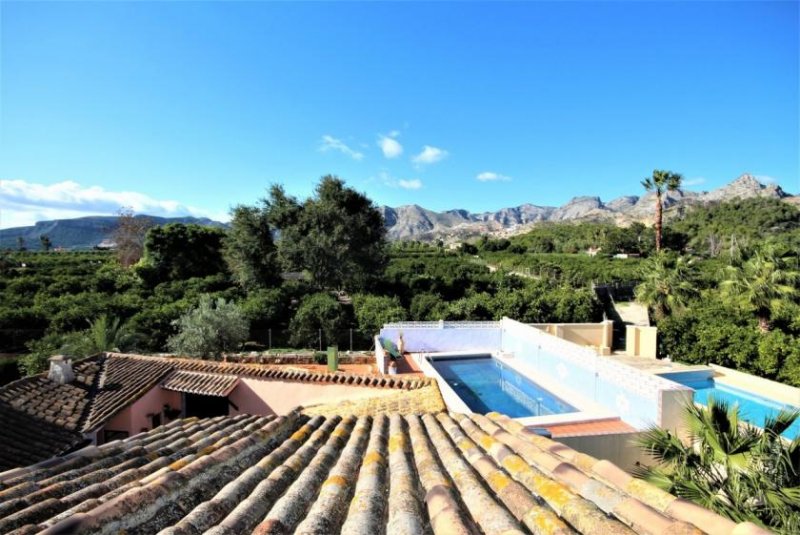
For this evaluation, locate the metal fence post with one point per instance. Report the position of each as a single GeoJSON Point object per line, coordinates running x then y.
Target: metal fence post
{"type": "Point", "coordinates": [270, 339]}
{"type": "Point", "coordinates": [351, 339]}
{"type": "Point", "coordinates": [320, 339]}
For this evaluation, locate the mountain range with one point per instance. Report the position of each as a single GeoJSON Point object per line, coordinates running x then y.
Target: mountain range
{"type": "Point", "coordinates": [81, 232]}
{"type": "Point", "coordinates": [413, 222]}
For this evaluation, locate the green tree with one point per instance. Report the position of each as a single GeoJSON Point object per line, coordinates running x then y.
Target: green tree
{"type": "Point", "coordinates": [372, 311]}
{"type": "Point", "coordinates": [21, 244]}
{"type": "Point", "coordinates": [316, 312]}
{"type": "Point", "coordinates": [44, 240]}
{"type": "Point", "coordinates": [38, 354]}
{"type": "Point", "coordinates": [661, 182]}
{"type": "Point", "coordinates": [250, 250]}
{"type": "Point", "coordinates": [764, 283]}
{"type": "Point", "coordinates": [177, 251]}
{"type": "Point", "coordinates": [468, 248]}
{"type": "Point", "coordinates": [210, 329]}
{"type": "Point", "coordinates": [739, 471]}
{"type": "Point", "coordinates": [338, 235]}
{"type": "Point", "coordinates": [427, 307]}
{"type": "Point", "coordinates": [266, 308]}
{"type": "Point", "coordinates": [667, 284]}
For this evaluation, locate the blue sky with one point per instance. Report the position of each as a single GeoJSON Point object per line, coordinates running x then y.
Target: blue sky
{"type": "Point", "coordinates": [177, 107]}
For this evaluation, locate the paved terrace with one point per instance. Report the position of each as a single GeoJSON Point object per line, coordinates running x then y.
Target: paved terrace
{"type": "Point", "coordinates": [387, 473]}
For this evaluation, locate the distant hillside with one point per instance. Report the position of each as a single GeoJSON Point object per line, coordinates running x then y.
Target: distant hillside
{"type": "Point", "coordinates": [413, 222]}
{"type": "Point", "coordinates": [81, 232]}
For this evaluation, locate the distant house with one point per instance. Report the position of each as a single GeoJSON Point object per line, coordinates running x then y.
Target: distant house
{"type": "Point", "coordinates": [106, 244]}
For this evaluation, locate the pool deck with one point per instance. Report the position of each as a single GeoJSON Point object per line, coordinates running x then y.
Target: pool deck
{"type": "Point", "coordinates": [655, 366]}
{"type": "Point", "coordinates": [741, 380]}
{"type": "Point", "coordinates": [774, 390]}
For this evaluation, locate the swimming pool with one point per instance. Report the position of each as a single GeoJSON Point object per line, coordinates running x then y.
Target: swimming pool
{"type": "Point", "coordinates": [485, 385]}
{"type": "Point", "coordinates": [753, 408]}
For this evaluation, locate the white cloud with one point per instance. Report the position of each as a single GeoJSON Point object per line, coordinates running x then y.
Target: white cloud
{"type": "Point", "coordinates": [24, 203]}
{"type": "Point", "coordinates": [694, 181]}
{"type": "Point", "coordinates": [389, 145]}
{"type": "Point", "coordinates": [429, 155]}
{"type": "Point", "coordinates": [388, 180]}
{"type": "Point", "coordinates": [414, 183]}
{"type": "Point", "coordinates": [329, 143]}
{"type": "Point", "coordinates": [490, 176]}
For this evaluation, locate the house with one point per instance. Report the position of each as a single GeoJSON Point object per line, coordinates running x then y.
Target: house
{"type": "Point", "coordinates": [380, 456]}
{"type": "Point", "coordinates": [113, 396]}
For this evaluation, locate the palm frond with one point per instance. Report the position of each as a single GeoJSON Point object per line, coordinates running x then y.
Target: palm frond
{"type": "Point", "coordinates": [782, 421]}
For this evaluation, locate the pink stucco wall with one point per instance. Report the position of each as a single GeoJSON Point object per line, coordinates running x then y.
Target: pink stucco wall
{"type": "Point", "coordinates": [134, 419]}
{"type": "Point", "coordinates": [253, 396]}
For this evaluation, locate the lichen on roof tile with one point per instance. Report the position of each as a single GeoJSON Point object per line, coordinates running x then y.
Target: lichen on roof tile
{"type": "Point", "coordinates": [380, 473]}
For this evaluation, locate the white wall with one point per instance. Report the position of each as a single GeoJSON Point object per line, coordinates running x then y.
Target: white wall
{"type": "Point", "coordinates": [446, 336]}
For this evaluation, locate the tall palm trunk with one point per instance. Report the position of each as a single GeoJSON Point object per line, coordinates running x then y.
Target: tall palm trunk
{"type": "Point", "coordinates": [658, 221]}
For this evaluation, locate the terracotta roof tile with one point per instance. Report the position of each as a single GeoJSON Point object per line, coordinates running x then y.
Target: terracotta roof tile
{"type": "Point", "coordinates": [416, 474]}
{"type": "Point", "coordinates": [208, 384]}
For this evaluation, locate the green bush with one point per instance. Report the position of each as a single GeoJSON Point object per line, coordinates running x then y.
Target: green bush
{"type": "Point", "coordinates": [372, 311]}
{"type": "Point", "coordinates": [213, 327]}
{"type": "Point", "coordinates": [317, 312]}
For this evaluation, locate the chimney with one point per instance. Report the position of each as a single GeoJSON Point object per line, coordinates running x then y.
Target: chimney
{"type": "Point", "coordinates": [61, 370]}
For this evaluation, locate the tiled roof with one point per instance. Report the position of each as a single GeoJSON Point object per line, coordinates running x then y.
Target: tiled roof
{"type": "Point", "coordinates": [425, 399]}
{"type": "Point", "coordinates": [207, 384]}
{"type": "Point", "coordinates": [65, 405]}
{"type": "Point", "coordinates": [388, 473]}
{"type": "Point", "coordinates": [106, 384]}
{"type": "Point", "coordinates": [284, 373]}
{"type": "Point", "coordinates": [27, 440]}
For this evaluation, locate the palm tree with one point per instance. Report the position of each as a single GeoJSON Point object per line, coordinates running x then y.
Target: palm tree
{"type": "Point", "coordinates": [739, 471]}
{"type": "Point", "coordinates": [109, 334]}
{"type": "Point", "coordinates": [660, 182]}
{"type": "Point", "coordinates": [667, 284]}
{"type": "Point", "coordinates": [761, 285]}
{"type": "Point", "coordinates": [103, 334]}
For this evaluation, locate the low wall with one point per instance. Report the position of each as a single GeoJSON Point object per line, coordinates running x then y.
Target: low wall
{"type": "Point", "coordinates": [380, 356]}
{"type": "Point", "coordinates": [297, 358]}
{"type": "Point", "coordinates": [433, 337]}
{"type": "Point", "coordinates": [620, 449]}
{"type": "Point", "coordinates": [254, 396]}
{"type": "Point", "coordinates": [597, 335]}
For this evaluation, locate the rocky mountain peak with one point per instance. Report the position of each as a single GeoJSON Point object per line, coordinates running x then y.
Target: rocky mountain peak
{"type": "Point", "coordinates": [744, 187]}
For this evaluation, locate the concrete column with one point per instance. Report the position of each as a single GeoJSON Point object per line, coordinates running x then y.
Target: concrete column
{"type": "Point", "coordinates": [608, 334]}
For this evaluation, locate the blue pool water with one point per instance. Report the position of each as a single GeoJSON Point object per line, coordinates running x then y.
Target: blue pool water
{"type": "Point", "coordinates": [486, 385]}
{"type": "Point", "coordinates": [753, 408]}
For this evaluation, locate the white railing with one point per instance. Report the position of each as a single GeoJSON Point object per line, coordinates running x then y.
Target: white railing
{"type": "Point", "coordinates": [443, 325]}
